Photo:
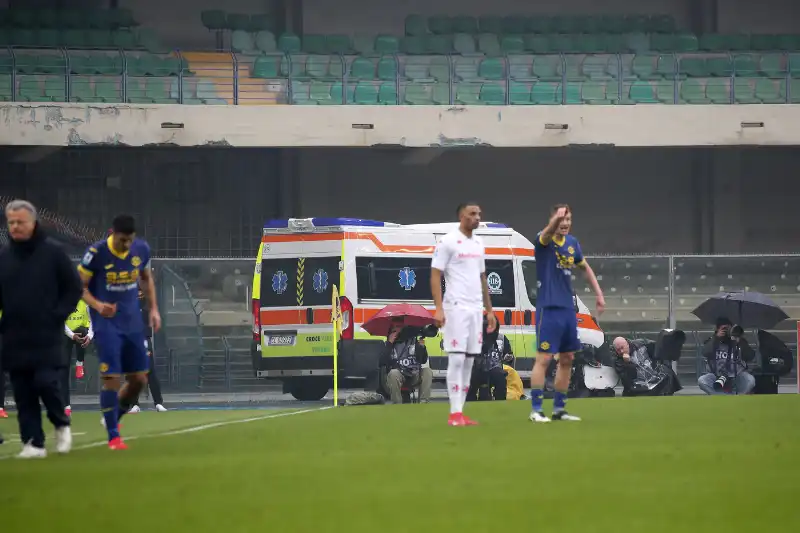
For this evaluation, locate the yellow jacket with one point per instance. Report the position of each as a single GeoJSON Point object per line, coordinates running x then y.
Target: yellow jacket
{"type": "Point", "coordinates": [514, 388]}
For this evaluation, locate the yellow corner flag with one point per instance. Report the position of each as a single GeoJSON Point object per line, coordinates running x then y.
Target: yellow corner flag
{"type": "Point", "coordinates": [336, 319]}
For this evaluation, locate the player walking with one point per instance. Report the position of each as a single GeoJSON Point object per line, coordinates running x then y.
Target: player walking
{"type": "Point", "coordinates": [112, 270]}
{"type": "Point", "coordinates": [460, 256]}
{"type": "Point", "coordinates": [557, 253]}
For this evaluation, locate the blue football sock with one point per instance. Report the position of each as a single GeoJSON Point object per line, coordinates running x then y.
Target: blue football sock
{"type": "Point", "coordinates": [108, 405]}
{"type": "Point", "coordinates": [559, 401]}
{"type": "Point", "coordinates": [537, 397]}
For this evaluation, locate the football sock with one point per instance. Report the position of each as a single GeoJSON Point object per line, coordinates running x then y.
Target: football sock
{"type": "Point", "coordinates": [108, 405]}
{"type": "Point", "coordinates": [466, 377]}
{"type": "Point", "coordinates": [559, 401]}
{"type": "Point", "coordinates": [455, 365]}
{"type": "Point", "coordinates": [537, 397]}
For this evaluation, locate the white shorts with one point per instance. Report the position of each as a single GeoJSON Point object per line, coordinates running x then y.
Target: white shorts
{"type": "Point", "coordinates": [463, 330]}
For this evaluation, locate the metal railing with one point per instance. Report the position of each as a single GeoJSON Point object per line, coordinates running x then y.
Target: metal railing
{"type": "Point", "coordinates": [187, 77]}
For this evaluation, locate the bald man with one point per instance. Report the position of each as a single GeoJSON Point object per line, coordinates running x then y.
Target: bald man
{"type": "Point", "coordinates": [639, 372]}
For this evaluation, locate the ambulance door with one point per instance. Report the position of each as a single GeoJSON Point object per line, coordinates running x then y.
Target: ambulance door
{"type": "Point", "coordinates": [501, 277]}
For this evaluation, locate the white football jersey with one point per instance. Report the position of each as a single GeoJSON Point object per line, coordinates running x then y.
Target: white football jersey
{"type": "Point", "coordinates": [462, 260]}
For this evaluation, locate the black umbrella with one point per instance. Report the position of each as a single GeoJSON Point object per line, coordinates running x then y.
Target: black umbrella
{"type": "Point", "coordinates": [747, 309]}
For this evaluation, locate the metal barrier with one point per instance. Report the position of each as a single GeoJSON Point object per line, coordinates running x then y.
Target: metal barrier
{"type": "Point", "coordinates": [210, 78]}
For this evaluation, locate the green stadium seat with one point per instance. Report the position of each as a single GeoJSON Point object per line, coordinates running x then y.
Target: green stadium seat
{"type": "Point", "coordinates": [294, 66]}
{"type": "Point", "coordinates": [439, 44]}
{"type": "Point", "coordinates": [6, 63]}
{"type": "Point", "coordinates": [417, 68]}
{"type": "Point", "coordinates": [317, 66]}
{"type": "Point", "coordinates": [712, 42]}
{"type": "Point", "coordinates": [573, 93]}
{"type": "Point", "coordinates": [636, 23]}
{"type": "Point", "coordinates": [639, 43]}
{"type": "Point", "coordinates": [769, 92]}
{"type": "Point", "coordinates": [289, 43]}
{"type": "Point", "coordinates": [718, 91]}
{"type": "Point", "coordinates": [744, 91]}
{"type": "Point", "coordinates": [719, 66]}
{"type": "Point", "coordinates": [764, 42]}
{"type": "Point", "coordinates": [464, 44]}
{"type": "Point", "coordinates": [693, 67]}
{"type": "Point", "coordinates": [364, 44]}
{"type": "Point", "coordinates": [773, 65]}
{"type": "Point", "coordinates": [314, 44]}
{"type": "Point", "coordinates": [614, 44]}
{"type": "Point", "coordinates": [589, 44]}
{"type": "Point", "coordinates": [440, 69]}
{"type": "Point", "coordinates": [123, 18]}
{"type": "Point", "coordinates": [418, 94]}
{"type": "Point", "coordinates": [20, 37]}
{"type": "Point", "coordinates": [466, 68]}
{"type": "Point", "coordinates": [300, 93]}
{"type": "Point", "coordinates": [238, 22]}
{"type": "Point", "coordinates": [519, 93]}
{"type": "Point", "coordinates": [27, 63]}
{"type": "Point", "coordinates": [124, 39]}
{"type": "Point", "coordinates": [149, 40]}
{"type": "Point", "coordinates": [266, 66]}
{"type": "Point", "coordinates": [365, 94]}
{"type": "Point", "coordinates": [98, 38]}
{"type": "Point", "coordinates": [512, 44]}
{"type": "Point", "coordinates": [511, 25]}
{"type": "Point", "coordinates": [214, 19]}
{"type": "Point", "coordinates": [387, 44]}
{"type": "Point", "coordinates": [338, 44]}
{"type": "Point", "coordinates": [562, 43]}
{"type": "Point", "coordinates": [546, 68]}
{"type": "Point", "coordinates": [261, 22]}
{"type": "Point", "coordinates": [666, 67]}
{"type": "Point", "coordinates": [738, 42]}
{"type": "Point", "coordinates": [600, 93]}
{"type": "Point", "coordinates": [6, 90]}
{"type": "Point", "coordinates": [30, 90]}
{"type": "Point", "coordinates": [441, 94]}
{"type": "Point", "coordinates": [564, 24]}
{"type": "Point", "coordinates": [242, 42]}
{"type": "Point", "coordinates": [206, 91]}
{"type": "Point", "coordinates": [665, 91]}
{"type": "Point", "coordinates": [156, 89]}
{"type": "Point", "coordinates": [588, 24]}
{"type": "Point", "coordinates": [468, 93]}
{"type": "Point", "coordinates": [74, 38]}
{"type": "Point", "coordinates": [573, 64]}
{"type": "Point", "coordinates": [612, 24]}
{"type": "Point", "coordinates": [440, 25]}
{"type": "Point", "coordinates": [320, 92]}
{"type": "Point", "coordinates": [107, 89]}
{"type": "Point", "coordinates": [789, 43]}
{"type": "Point", "coordinates": [55, 88]}
{"type": "Point", "coordinates": [416, 25]}
{"type": "Point", "coordinates": [661, 24]}
{"type": "Point", "coordinates": [48, 37]}
{"type": "Point", "coordinates": [336, 68]}
{"type": "Point", "coordinates": [641, 92]}
{"type": "Point", "coordinates": [794, 65]}
{"type": "Point", "coordinates": [520, 68]}
{"type": "Point", "coordinates": [686, 42]}
{"type": "Point", "coordinates": [539, 24]}
{"type": "Point", "coordinates": [692, 91]}
{"type": "Point", "coordinates": [493, 24]}
{"type": "Point", "coordinates": [413, 45]}
{"type": "Point", "coordinates": [546, 93]}
{"type": "Point", "coordinates": [387, 94]}
{"type": "Point", "coordinates": [538, 44]}
{"type": "Point", "coordinates": [51, 64]}
{"type": "Point", "coordinates": [746, 65]}
{"type": "Point", "coordinates": [493, 94]}
{"type": "Point", "coordinates": [82, 90]}
{"type": "Point", "coordinates": [464, 24]}
{"type": "Point", "coordinates": [99, 19]}
{"type": "Point", "coordinates": [387, 68]}
{"type": "Point", "coordinates": [362, 69]}
{"type": "Point", "coordinates": [491, 68]}
{"type": "Point", "coordinates": [266, 43]}
{"type": "Point", "coordinates": [644, 66]}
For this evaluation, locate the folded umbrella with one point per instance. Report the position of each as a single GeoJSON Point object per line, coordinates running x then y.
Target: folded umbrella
{"type": "Point", "coordinates": [747, 309]}
{"type": "Point", "coordinates": [413, 315]}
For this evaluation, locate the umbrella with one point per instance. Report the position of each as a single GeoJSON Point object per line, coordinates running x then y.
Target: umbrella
{"type": "Point", "coordinates": [409, 314]}
{"type": "Point", "coordinates": [747, 309]}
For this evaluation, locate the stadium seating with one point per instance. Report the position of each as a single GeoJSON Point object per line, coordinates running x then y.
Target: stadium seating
{"type": "Point", "coordinates": [488, 60]}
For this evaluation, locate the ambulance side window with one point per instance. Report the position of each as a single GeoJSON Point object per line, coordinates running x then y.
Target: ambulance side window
{"type": "Point", "coordinates": [500, 279]}
{"type": "Point", "coordinates": [529, 275]}
{"type": "Point", "coordinates": [405, 279]}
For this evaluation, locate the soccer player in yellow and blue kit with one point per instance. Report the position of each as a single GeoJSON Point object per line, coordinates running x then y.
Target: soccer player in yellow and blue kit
{"type": "Point", "coordinates": [112, 270]}
{"type": "Point", "coordinates": [557, 253]}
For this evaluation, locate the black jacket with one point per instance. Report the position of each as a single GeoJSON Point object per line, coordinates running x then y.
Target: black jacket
{"type": "Point", "coordinates": [39, 288]}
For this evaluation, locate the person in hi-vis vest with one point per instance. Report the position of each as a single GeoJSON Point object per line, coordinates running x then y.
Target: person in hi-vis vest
{"type": "Point", "coordinates": [79, 332]}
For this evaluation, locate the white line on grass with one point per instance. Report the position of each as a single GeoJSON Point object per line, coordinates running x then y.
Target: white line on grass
{"type": "Point", "coordinates": [195, 429]}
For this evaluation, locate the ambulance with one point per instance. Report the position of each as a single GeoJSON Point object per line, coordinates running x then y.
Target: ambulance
{"type": "Point", "coordinates": [373, 264]}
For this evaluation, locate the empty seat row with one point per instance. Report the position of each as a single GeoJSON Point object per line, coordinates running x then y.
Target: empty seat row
{"type": "Point", "coordinates": [217, 19]}
{"type": "Point", "coordinates": [29, 62]}
{"type": "Point", "coordinates": [75, 38]}
{"type": "Point", "coordinates": [101, 19]}
{"type": "Point", "coordinates": [711, 91]}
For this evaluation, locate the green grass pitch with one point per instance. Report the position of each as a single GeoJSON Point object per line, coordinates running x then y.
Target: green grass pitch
{"type": "Point", "coordinates": [639, 465]}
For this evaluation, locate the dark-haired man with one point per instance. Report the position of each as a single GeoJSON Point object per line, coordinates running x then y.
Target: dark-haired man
{"type": "Point", "coordinates": [112, 270]}
{"type": "Point", "coordinates": [557, 253]}
{"type": "Point", "coordinates": [460, 257]}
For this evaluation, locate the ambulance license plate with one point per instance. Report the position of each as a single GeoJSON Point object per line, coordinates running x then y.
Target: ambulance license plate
{"type": "Point", "coordinates": [281, 340]}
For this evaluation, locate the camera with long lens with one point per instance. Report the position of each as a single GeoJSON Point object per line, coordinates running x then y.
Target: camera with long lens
{"type": "Point", "coordinates": [737, 331]}
{"type": "Point", "coordinates": [719, 384]}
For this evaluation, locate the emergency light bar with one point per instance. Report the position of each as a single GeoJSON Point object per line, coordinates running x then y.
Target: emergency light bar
{"type": "Point", "coordinates": [308, 224]}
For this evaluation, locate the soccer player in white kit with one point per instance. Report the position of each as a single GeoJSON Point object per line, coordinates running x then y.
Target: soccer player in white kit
{"type": "Point", "coordinates": [460, 256]}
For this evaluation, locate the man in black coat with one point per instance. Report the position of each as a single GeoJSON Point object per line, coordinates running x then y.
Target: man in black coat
{"type": "Point", "coordinates": [39, 288]}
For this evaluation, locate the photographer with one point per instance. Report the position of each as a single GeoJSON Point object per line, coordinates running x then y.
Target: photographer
{"type": "Point", "coordinates": [403, 357]}
{"type": "Point", "coordinates": [488, 367]}
{"type": "Point", "coordinates": [727, 354]}
{"type": "Point", "coordinates": [640, 373]}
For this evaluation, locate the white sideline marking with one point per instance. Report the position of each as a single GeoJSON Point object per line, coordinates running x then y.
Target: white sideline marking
{"type": "Point", "coordinates": [195, 429]}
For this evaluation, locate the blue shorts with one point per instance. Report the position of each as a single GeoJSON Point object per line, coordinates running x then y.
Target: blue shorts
{"type": "Point", "coordinates": [557, 330]}
{"type": "Point", "coordinates": [121, 353]}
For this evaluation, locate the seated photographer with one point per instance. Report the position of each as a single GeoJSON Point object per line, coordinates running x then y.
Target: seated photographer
{"type": "Point", "coordinates": [640, 373]}
{"type": "Point", "coordinates": [726, 356]}
{"type": "Point", "coordinates": [488, 376]}
{"type": "Point", "coordinates": [403, 357]}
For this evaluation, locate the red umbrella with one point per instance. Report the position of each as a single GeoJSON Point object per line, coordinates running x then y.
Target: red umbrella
{"type": "Point", "coordinates": [407, 314]}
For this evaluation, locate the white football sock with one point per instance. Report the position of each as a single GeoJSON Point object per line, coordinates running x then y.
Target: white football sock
{"type": "Point", "coordinates": [455, 366]}
{"type": "Point", "coordinates": [466, 378]}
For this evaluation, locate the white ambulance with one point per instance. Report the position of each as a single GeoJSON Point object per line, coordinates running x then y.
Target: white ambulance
{"type": "Point", "coordinates": [374, 264]}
